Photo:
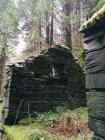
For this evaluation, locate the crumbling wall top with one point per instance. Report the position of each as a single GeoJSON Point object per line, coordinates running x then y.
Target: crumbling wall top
{"type": "Point", "coordinates": [97, 20]}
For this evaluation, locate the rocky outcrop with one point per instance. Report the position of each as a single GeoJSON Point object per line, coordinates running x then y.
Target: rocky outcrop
{"type": "Point", "coordinates": [41, 83]}
{"type": "Point", "coordinates": [94, 46]}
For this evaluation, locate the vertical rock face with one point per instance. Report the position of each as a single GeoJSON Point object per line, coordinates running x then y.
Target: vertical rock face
{"type": "Point", "coordinates": [94, 45]}
{"type": "Point", "coordinates": [41, 84]}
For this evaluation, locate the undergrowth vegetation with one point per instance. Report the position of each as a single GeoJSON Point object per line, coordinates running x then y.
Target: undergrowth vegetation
{"type": "Point", "coordinates": [61, 124]}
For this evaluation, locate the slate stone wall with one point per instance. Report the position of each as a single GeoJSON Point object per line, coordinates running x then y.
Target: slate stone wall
{"type": "Point", "coordinates": [41, 84]}
{"type": "Point", "coordinates": [94, 45]}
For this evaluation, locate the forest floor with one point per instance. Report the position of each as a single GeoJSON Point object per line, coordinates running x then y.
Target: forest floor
{"type": "Point", "coordinates": [62, 124]}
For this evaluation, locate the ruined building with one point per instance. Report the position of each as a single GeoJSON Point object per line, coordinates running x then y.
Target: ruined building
{"type": "Point", "coordinates": [41, 83]}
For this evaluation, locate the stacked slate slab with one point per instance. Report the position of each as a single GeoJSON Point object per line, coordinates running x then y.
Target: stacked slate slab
{"type": "Point", "coordinates": [40, 84]}
{"type": "Point", "coordinates": [94, 46]}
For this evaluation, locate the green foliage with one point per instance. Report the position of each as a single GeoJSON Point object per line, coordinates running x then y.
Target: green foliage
{"type": "Point", "coordinates": [43, 135]}
{"type": "Point", "coordinates": [38, 128]}
{"type": "Point", "coordinates": [8, 23]}
{"type": "Point", "coordinates": [9, 18]}
{"type": "Point", "coordinates": [62, 117]}
{"type": "Point", "coordinates": [15, 132]}
{"type": "Point", "coordinates": [79, 112]}
{"type": "Point", "coordinates": [81, 58]}
{"type": "Point", "coordinates": [12, 18]}
{"type": "Point", "coordinates": [33, 37]}
{"type": "Point", "coordinates": [42, 7]}
{"type": "Point", "coordinates": [45, 118]}
{"type": "Point", "coordinates": [34, 13]}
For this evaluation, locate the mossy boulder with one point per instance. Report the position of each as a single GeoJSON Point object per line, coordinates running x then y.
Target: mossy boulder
{"type": "Point", "coordinates": [96, 17]}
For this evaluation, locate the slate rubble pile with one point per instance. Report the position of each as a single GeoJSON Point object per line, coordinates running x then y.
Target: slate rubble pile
{"type": "Point", "coordinates": [41, 83]}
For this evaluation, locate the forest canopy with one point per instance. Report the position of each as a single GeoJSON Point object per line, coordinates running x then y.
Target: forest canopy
{"type": "Point", "coordinates": [47, 21]}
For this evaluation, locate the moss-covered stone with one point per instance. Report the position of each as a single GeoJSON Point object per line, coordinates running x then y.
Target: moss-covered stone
{"type": "Point", "coordinates": [96, 17]}
{"type": "Point", "coordinates": [64, 46]}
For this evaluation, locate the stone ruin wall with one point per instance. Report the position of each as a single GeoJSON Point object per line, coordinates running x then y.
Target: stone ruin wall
{"type": "Point", "coordinates": [94, 46]}
{"type": "Point", "coordinates": [41, 83]}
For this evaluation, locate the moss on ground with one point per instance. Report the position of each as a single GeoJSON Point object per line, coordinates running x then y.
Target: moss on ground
{"type": "Point", "coordinates": [96, 17]}
{"type": "Point", "coordinates": [38, 129]}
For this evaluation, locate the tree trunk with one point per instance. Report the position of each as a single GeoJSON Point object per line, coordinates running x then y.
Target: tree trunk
{"type": "Point", "coordinates": [67, 12]}
{"type": "Point", "coordinates": [40, 34]}
{"type": "Point", "coordinates": [47, 28]}
{"type": "Point", "coordinates": [79, 38]}
{"type": "Point", "coordinates": [52, 24]}
{"type": "Point", "coordinates": [2, 64]}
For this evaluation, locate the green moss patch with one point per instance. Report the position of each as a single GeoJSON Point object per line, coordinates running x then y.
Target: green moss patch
{"type": "Point", "coordinates": [64, 46]}
{"type": "Point", "coordinates": [96, 17]}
